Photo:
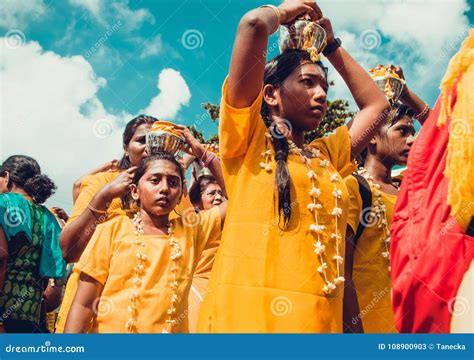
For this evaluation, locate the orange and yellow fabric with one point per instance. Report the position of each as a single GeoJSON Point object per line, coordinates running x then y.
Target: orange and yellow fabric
{"type": "Point", "coordinates": [110, 258]}
{"type": "Point", "coordinates": [199, 286]}
{"type": "Point", "coordinates": [265, 279]}
{"type": "Point", "coordinates": [370, 270]}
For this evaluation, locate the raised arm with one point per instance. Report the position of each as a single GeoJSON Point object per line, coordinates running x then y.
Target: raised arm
{"type": "Point", "coordinates": [247, 64]}
{"type": "Point", "coordinates": [413, 101]}
{"type": "Point", "coordinates": [76, 234]}
{"type": "Point", "coordinates": [370, 100]}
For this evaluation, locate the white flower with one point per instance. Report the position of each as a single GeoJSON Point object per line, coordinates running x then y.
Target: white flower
{"type": "Point", "coordinates": [164, 331]}
{"type": "Point", "coordinates": [268, 168]}
{"type": "Point", "coordinates": [389, 268]}
{"type": "Point", "coordinates": [334, 177]}
{"type": "Point", "coordinates": [338, 258]}
{"type": "Point", "coordinates": [262, 165]}
{"type": "Point", "coordinates": [385, 254]}
{"type": "Point", "coordinates": [337, 194]}
{"type": "Point", "coordinates": [322, 267]}
{"type": "Point", "coordinates": [316, 152]}
{"type": "Point", "coordinates": [174, 298]}
{"type": "Point", "coordinates": [315, 192]}
{"type": "Point", "coordinates": [319, 248]}
{"type": "Point", "coordinates": [335, 236]}
{"type": "Point", "coordinates": [339, 279]}
{"type": "Point", "coordinates": [137, 281]}
{"type": "Point", "coordinates": [319, 206]}
{"type": "Point", "coordinates": [312, 206]}
{"type": "Point", "coordinates": [174, 285]}
{"type": "Point", "coordinates": [331, 285]}
{"type": "Point", "coordinates": [336, 211]}
{"type": "Point", "coordinates": [388, 239]}
{"type": "Point", "coordinates": [324, 163]}
{"type": "Point", "coordinates": [325, 289]}
{"type": "Point", "coordinates": [317, 228]}
{"type": "Point", "coordinates": [311, 174]}
{"type": "Point", "coordinates": [131, 309]}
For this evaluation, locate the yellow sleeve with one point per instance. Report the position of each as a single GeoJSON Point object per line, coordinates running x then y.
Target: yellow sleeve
{"type": "Point", "coordinates": [355, 202]}
{"type": "Point", "coordinates": [209, 230]}
{"type": "Point", "coordinates": [88, 189]}
{"type": "Point", "coordinates": [237, 126]}
{"type": "Point", "coordinates": [95, 260]}
{"type": "Point", "coordinates": [337, 149]}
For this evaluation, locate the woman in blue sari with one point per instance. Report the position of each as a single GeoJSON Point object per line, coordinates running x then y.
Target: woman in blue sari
{"type": "Point", "coordinates": [29, 245]}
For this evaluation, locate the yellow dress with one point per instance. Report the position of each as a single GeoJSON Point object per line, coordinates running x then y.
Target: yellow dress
{"type": "Point", "coordinates": [370, 270]}
{"type": "Point", "coordinates": [110, 258]}
{"type": "Point", "coordinates": [89, 187]}
{"type": "Point", "coordinates": [200, 283]}
{"type": "Point", "coordinates": [265, 279]}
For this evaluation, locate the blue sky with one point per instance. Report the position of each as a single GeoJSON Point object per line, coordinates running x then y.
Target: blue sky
{"type": "Point", "coordinates": [74, 71]}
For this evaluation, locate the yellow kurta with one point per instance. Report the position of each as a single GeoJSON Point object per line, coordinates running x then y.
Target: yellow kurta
{"type": "Point", "coordinates": [89, 187]}
{"type": "Point", "coordinates": [370, 271]}
{"type": "Point", "coordinates": [200, 283]}
{"type": "Point", "coordinates": [110, 258]}
{"type": "Point", "coordinates": [265, 279]}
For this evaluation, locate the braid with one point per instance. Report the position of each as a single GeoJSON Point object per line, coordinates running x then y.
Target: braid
{"type": "Point", "coordinates": [282, 177]}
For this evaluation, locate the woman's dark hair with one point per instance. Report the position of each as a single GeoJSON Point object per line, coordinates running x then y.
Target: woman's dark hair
{"type": "Point", "coordinates": [199, 186]}
{"type": "Point", "coordinates": [128, 133]}
{"type": "Point", "coordinates": [142, 168]}
{"type": "Point", "coordinates": [397, 112]}
{"type": "Point", "coordinates": [25, 173]}
{"type": "Point", "coordinates": [276, 72]}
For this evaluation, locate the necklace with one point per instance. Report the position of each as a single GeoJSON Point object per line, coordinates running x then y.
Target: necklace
{"type": "Point", "coordinates": [379, 212]}
{"type": "Point", "coordinates": [314, 207]}
{"type": "Point", "coordinates": [139, 270]}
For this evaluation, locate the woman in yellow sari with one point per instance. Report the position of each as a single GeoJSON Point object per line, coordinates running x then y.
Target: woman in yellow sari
{"type": "Point", "coordinates": [279, 267]}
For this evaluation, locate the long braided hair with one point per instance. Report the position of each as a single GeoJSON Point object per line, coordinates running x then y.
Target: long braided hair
{"type": "Point", "coordinates": [276, 72]}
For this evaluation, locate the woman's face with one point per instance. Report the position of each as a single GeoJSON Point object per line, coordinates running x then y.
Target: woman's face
{"type": "Point", "coordinates": [395, 144]}
{"type": "Point", "coordinates": [137, 146]}
{"type": "Point", "coordinates": [302, 97]}
{"type": "Point", "coordinates": [211, 196]}
{"type": "Point", "coordinates": [159, 189]}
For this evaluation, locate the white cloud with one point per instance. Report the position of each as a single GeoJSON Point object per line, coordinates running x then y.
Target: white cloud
{"type": "Point", "coordinates": [50, 110]}
{"type": "Point", "coordinates": [16, 14]}
{"type": "Point", "coordinates": [173, 94]}
{"type": "Point", "coordinates": [93, 6]}
{"type": "Point", "coordinates": [419, 35]}
{"type": "Point", "coordinates": [109, 11]}
{"type": "Point", "coordinates": [152, 47]}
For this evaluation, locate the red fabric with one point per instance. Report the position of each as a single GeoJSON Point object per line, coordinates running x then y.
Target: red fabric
{"type": "Point", "coordinates": [429, 252]}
